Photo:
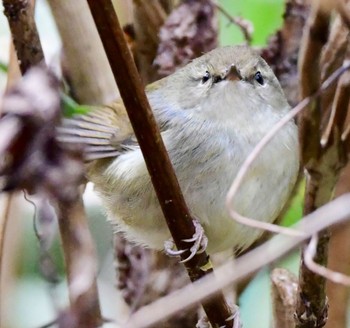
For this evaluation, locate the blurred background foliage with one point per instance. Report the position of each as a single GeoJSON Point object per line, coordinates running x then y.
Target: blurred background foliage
{"type": "Point", "coordinates": [266, 16]}
{"type": "Point", "coordinates": [29, 311]}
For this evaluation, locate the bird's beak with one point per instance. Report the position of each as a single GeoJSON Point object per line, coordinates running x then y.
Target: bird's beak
{"type": "Point", "coordinates": [233, 74]}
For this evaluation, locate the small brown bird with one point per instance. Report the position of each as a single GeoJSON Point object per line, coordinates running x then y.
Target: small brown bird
{"type": "Point", "coordinates": [211, 113]}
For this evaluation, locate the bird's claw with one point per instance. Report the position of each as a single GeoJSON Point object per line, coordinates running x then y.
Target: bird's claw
{"type": "Point", "coordinates": [169, 247]}
{"type": "Point", "coordinates": [199, 240]}
{"type": "Point", "coordinates": [204, 322]}
{"type": "Point", "coordinates": [235, 317]}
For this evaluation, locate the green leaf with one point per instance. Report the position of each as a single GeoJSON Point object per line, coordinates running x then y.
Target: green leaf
{"type": "Point", "coordinates": [71, 107]}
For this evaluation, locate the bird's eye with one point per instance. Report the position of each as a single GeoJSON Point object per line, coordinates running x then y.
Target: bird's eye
{"type": "Point", "coordinates": [259, 78]}
{"type": "Point", "coordinates": [217, 78]}
{"type": "Point", "coordinates": [206, 77]}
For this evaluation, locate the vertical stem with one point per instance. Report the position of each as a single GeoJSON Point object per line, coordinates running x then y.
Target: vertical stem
{"type": "Point", "coordinates": [20, 15]}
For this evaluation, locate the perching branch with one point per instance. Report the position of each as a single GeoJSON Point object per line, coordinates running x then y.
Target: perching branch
{"type": "Point", "coordinates": [158, 163]}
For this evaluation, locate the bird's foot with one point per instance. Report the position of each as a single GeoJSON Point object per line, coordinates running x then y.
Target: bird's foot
{"type": "Point", "coordinates": [199, 240]}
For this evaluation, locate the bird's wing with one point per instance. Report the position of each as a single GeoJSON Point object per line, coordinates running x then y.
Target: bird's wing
{"type": "Point", "coordinates": [104, 132]}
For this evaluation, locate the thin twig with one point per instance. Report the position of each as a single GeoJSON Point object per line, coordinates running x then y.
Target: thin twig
{"type": "Point", "coordinates": [157, 160]}
{"type": "Point", "coordinates": [332, 57]}
{"type": "Point", "coordinates": [345, 135]}
{"type": "Point", "coordinates": [340, 102]}
{"type": "Point", "coordinates": [333, 52]}
{"type": "Point", "coordinates": [309, 254]}
{"type": "Point", "coordinates": [48, 268]}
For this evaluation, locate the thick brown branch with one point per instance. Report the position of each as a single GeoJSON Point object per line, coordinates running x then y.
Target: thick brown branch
{"type": "Point", "coordinates": [159, 166]}
{"type": "Point", "coordinates": [20, 15]}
